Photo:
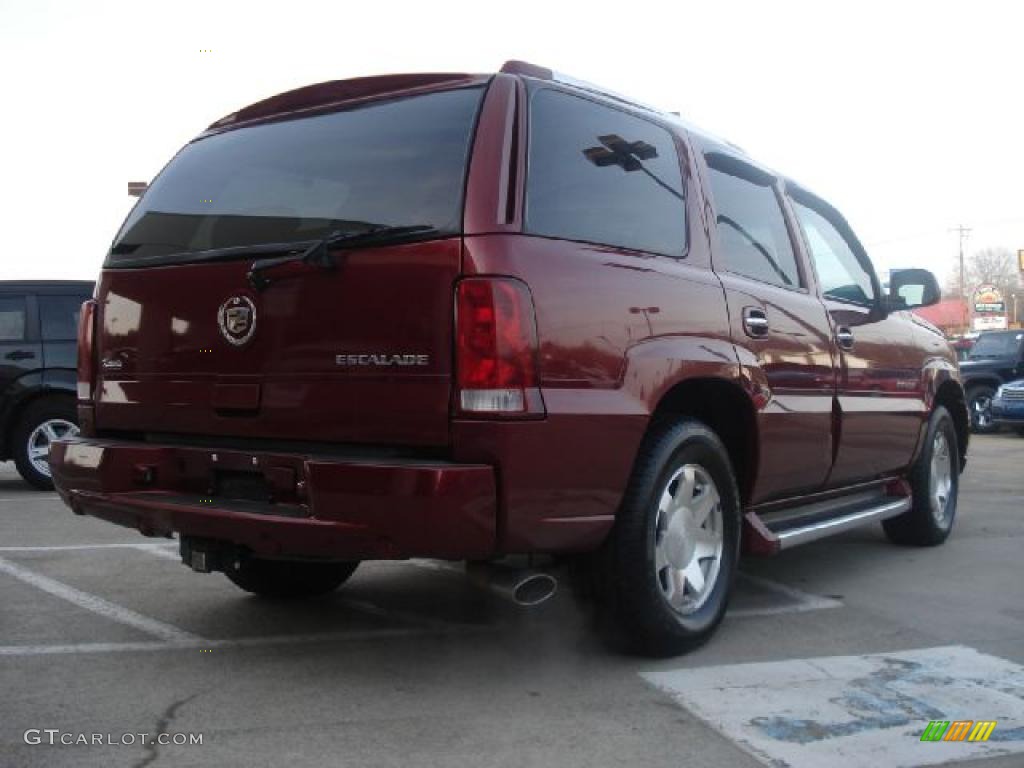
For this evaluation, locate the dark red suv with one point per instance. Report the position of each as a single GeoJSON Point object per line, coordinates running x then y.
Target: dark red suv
{"type": "Point", "coordinates": [503, 319]}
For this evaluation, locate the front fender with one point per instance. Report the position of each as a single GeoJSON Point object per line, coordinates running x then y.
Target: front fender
{"type": "Point", "coordinates": [935, 372]}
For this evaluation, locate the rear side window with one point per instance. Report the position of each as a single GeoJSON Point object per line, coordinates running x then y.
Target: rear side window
{"type": "Point", "coordinates": [12, 318]}
{"type": "Point", "coordinates": [59, 316]}
{"type": "Point", "coordinates": [751, 229]}
{"type": "Point", "coordinates": [840, 273]}
{"type": "Point", "coordinates": [391, 163]}
{"type": "Point", "coordinates": [603, 176]}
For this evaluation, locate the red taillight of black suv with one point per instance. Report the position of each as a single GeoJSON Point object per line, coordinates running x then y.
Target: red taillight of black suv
{"type": "Point", "coordinates": [496, 348]}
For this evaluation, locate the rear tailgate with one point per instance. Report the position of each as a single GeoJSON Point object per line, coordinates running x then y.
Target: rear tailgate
{"type": "Point", "coordinates": [356, 348]}
{"type": "Point", "coordinates": [361, 353]}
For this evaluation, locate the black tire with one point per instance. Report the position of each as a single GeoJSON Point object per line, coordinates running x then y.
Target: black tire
{"type": "Point", "coordinates": [631, 591]}
{"type": "Point", "coordinates": [284, 579]}
{"type": "Point", "coordinates": [922, 525]}
{"type": "Point", "coordinates": [59, 411]}
{"type": "Point", "coordinates": [978, 398]}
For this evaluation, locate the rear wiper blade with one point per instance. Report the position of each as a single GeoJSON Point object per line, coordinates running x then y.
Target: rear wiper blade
{"type": "Point", "coordinates": [319, 253]}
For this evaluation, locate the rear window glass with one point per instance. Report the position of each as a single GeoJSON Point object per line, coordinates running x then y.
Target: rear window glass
{"type": "Point", "coordinates": [604, 176]}
{"type": "Point", "coordinates": [394, 163]}
{"type": "Point", "coordinates": [12, 319]}
{"type": "Point", "coordinates": [58, 316]}
{"type": "Point", "coordinates": [996, 345]}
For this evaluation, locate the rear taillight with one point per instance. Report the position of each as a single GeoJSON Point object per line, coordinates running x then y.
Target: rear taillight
{"type": "Point", "coordinates": [87, 350]}
{"type": "Point", "coordinates": [496, 348]}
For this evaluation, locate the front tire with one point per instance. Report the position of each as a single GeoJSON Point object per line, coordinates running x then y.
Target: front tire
{"type": "Point", "coordinates": [935, 481]}
{"type": "Point", "coordinates": [979, 400]}
{"type": "Point", "coordinates": [289, 579]}
{"type": "Point", "coordinates": [45, 420]}
{"type": "Point", "coordinates": [670, 562]}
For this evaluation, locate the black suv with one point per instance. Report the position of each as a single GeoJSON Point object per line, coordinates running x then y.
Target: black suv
{"type": "Point", "coordinates": [38, 351]}
{"type": "Point", "coordinates": [997, 357]}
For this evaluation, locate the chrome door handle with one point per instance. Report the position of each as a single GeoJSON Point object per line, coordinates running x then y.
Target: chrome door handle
{"type": "Point", "coordinates": [755, 322]}
{"type": "Point", "coordinates": [844, 337]}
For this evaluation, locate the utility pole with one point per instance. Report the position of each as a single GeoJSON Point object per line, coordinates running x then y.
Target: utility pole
{"type": "Point", "coordinates": [963, 232]}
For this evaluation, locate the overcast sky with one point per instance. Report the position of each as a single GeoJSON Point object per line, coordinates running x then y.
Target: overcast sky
{"type": "Point", "coordinates": [907, 116]}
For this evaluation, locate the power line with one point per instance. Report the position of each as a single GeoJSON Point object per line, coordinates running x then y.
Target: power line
{"type": "Point", "coordinates": [921, 234]}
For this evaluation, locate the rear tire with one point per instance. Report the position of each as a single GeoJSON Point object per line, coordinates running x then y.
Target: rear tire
{"type": "Point", "coordinates": [979, 399]}
{"type": "Point", "coordinates": [44, 420]}
{"type": "Point", "coordinates": [935, 480]}
{"type": "Point", "coordinates": [289, 579]}
{"type": "Point", "coordinates": [667, 570]}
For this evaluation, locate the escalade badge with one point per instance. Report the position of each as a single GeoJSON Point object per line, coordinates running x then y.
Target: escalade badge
{"type": "Point", "coordinates": [237, 320]}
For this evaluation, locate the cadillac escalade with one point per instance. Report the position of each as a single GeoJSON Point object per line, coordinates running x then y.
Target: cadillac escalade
{"type": "Point", "coordinates": [502, 319]}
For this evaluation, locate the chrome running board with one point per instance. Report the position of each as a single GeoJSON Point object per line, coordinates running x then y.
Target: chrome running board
{"type": "Point", "coordinates": [793, 536]}
{"type": "Point", "coordinates": [784, 529]}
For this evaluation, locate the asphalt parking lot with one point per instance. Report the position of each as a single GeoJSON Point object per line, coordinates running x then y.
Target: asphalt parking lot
{"type": "Point", "coordinates": [838, 653]}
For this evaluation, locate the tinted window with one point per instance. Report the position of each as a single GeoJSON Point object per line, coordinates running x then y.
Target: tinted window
{"type": "Point", "coordinates": [603, 176]}
{"type": "Point", "coordinates": [393, 163]}
{"type": "Point", "coordinates": [992, 345]}
{"type": "Point", "coordinates": [841, 274]}
{"type": "Point", "coordinates": [12, 319]}
{"type": "Point", "coordinates": [59, 316]}
{"type": "Point", "coordinates": [752, 231]}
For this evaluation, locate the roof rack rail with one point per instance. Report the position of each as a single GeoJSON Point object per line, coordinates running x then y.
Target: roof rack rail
{"type": "Point", "coordinates": [525, 68]}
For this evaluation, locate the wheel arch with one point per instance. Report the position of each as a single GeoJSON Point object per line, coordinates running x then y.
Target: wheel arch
{"type": "Point", "coordinates": [725, 408]}
{"type": "Point", "coordinates": [951, 396]}
{"type": "Point", "coordinates": [25, 399]}
{"type": "Point", "coordinates": [982, 381]}
{"type": "Point", "coordinates": [943, 386]}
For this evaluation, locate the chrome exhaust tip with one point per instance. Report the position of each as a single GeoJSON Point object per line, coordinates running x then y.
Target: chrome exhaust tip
{"type": "Point", "coordinates": [522, 586]}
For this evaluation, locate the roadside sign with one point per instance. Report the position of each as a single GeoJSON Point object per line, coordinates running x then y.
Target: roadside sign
{"type": "Point", "coordinates": [987, 298]}
{"type": "Point", "coordinates": [1020, 259]}
{"type": "Point", "coordinates": [990, 323]}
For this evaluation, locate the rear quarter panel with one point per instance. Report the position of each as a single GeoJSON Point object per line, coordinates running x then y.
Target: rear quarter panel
{"type": "Point", "coordinates": [617, 330]}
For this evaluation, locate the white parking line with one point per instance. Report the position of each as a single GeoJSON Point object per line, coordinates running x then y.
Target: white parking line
{"type": "Point", "coordinates": [81, 547]}
{"type": "Point", "coordinates": [201, 644]}
{"type": "Point", "coordinates": [97, 604]}
{"type": "Point", "coordinates": [434, 565]}
{"type": "Point", "coordinates": [797, 601]}
{"type": "Point", "coordinates": [170, 551]}
{"type": "Point", "coordinates": [172, 638]}
{"type": "Point", "coordinates": [800, 601]}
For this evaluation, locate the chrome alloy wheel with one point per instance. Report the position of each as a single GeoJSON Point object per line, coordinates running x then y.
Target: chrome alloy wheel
{"type": "Point", "coordinates": [42, 437]}
{"type": "Point", "coordinates": [940, 479]}
{"type": "Point", "coordinates": [688, 539]}
{"type": "Point", "coordinates": [982, 414]}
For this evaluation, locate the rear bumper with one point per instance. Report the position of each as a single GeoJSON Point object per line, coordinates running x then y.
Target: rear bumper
{"type": "Point", "coordinates": [321, 506]}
